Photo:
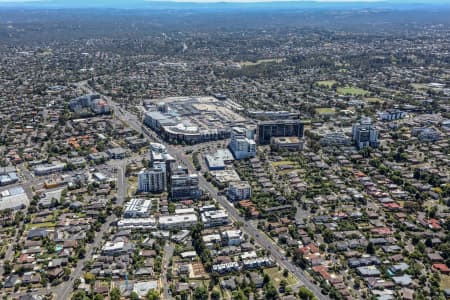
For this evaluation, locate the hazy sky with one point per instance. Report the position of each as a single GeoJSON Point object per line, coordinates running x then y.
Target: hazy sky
{"type": "Point", "coordinates": [21, 1]}
{"type": "Point", "coordinates": [74, 2]}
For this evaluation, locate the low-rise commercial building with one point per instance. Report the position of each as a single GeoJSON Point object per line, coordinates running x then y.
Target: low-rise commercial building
{"type": "Point", "coordinates": [287, 143]}
{"type": "Point", "coordinates": [215, 218]}
{"type": "Point", "coordinates": [14, 198]}
{"type": "Point", "coordinates": [46, 169]}
{"type": "Point", "coordinates": [177, 221]}
{"type": "Point", "coordinates": [137, 223]}
{"type": "Point", "coordinates": [232, 237]}
{"type": "Point", "coordinates": [137, 208]}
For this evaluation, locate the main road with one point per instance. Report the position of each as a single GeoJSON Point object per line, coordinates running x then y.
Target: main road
{"type": "Point", "coordinates": [178, 153]}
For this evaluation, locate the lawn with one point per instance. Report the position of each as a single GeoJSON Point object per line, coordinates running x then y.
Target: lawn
{"type": "Point", "coordinates": [419, 86]}
{"type": "Point", "coordinates": [445, 281]}
{"type": "Point", "coordinates": [41, 225]}
{"type": "Point", "coordinates": [277, 275]}
{"type": "Point", "coordinates": [282, 162]}
{"type": "Point", "coordinates": [326, 83]}
{"type": "Point", "coordinates": [284, 172]}
{"type": "Point", "coordinates": [349, 90]}
{"type": "Point", "coordinates": [325, 111]}
{"type": "Point", "coordinates": [132, 186]}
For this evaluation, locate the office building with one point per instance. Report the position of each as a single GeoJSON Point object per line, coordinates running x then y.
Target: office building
{"type": "Point", "coordinates": [239, 190]}
{"type": "Point", "coordinates": [242, 143]}
{"type": "Point", "coordinates": [364, 134]}
{"type": "Point", "coordinates": [184, 186]}
{"type": "Point", "coordinates": [266, 130]}
{"type": "Point", "coordinates": [152, 180]}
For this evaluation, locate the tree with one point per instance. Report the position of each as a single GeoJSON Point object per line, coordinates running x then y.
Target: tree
{"type": "Point", "coordinates": [152, 295]}
{"type": "Point", "coordinates": [305, 294]}
{"type": "Point", "coordinates": [118, 210]}
{"type": "Point", "coordinates": [200, 293]}
{"type": "Point", "coordinates": [215, 295]}
{"type": "Point", "coordinates": [89, 277]}
{"type": "Point", "coordinates": [270, 291]}
{"type": "Point", "coordinates": [283, 285]}
{"type": "Point", "coordinates": [80, 295]}
{"type": "Point", "coordinates": [115, 294]}
{"type": "Point", "coordinates": [370, 248]}
{"type": "Point", "coordinates": [7, 267]}
{"type": "Point", "coordinates": [239, 295]}
{"type": "Point", "coordinates": [134, 296]}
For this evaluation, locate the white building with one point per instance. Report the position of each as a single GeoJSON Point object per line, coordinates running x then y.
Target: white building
{"type": "Point", "coordinates": [391, 115]}
{"type": "Point", "coordinates": [227, 267]}
{"type": "Point", "coordinates": [46, 169]}
{"type": "Point", "coordinates": [177, 221]}
{"type": "Point", "coordinates": [242, 143]}
{"type": "Point", "coordinates": [184, 211]}
{"type": "Point", "coordinates": [158, 154]}
{"type": "Point", "coordinates": [116, 248]}
{"type": "Point", "coordinates": [152, 180]}
{"type": "Point", "coordinates": [215, 218]}
{"type": "Point", "coordinates": [13, 198]}
{"type": "Point", "coordinates": [364, 134]}
{"type": "Point", "coordinates": [137, 223]}
{"type": "Point", "coordinates": [257, 262]}
{"type": "Point", "coordinates": [137, 208]}
{"type": "Point", "coordinates": [239, 190]}
{"type": "Point", "coordinates": [232, 237]}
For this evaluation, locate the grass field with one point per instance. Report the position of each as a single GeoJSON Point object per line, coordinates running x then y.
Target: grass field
{"type": "Point", "coordinates": [325, 111]}
{"type": "Point", "coordinates": [445, 281]}
{"type": "Point", "coordinates": [373, 100]}
{"type": "Point", "coordinates": [326, 83]}
{"type": "Point", "coordinates": [349, 90]}
{"type": "Point", "coordinates": [132, 186]}
{"type": "Point", "coordinates": [284, 172]}
{"type": "Point", "coordinates": [282, 162]}
{"type": "Point", "coordinates": [261, 61]}
{"type": "Point", "coordinates": [277, 275]}
{"type": "Point", "coordinates": [419, 86]}
{"type": "Point", "coordinates": [41, 225]}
